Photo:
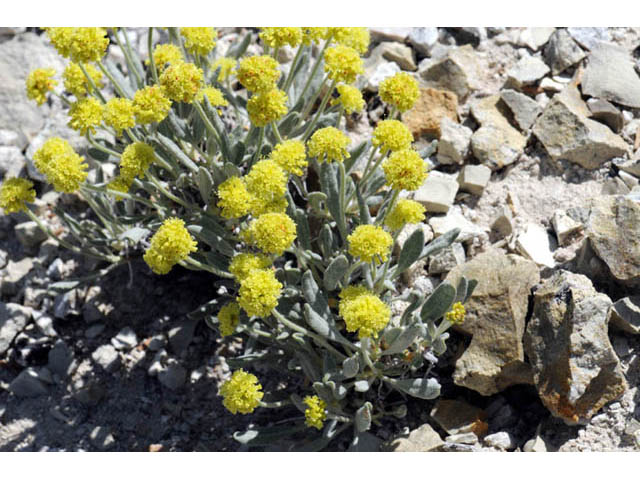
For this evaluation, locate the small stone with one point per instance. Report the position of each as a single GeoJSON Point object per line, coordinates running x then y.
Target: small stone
{"type": "Point", "coordinates": [629, 180]}
{"type": "Point", "coordinates": [457, 416]}
{"type": "Point", "coordinates": [606, 113]}
{"type": "Point", "coordinates": [437, 193]}
{"type": "Point", "coordinates": [625, 314]}
{"type": "Point", "coordinates": [60, 359]}
{"type": "Point", "coordinates": [381, 71]}
{"type": "Point", "coordinates": [534, 244]}
{"type": "Point", "coordinates": [468, 35]}
{"type": "Point", "coordinates": [474, 178]}
{"type": "Point", "coordinates": [394, 34]}
{"type": "Point", "coordinates": [455, 219]}
{"type": "Point", "coordinates": [502, 226]}
{"type": "Point", "coordinates": [528, 71]}
{"type": "Point", "coordinates": [535, 445]}
{"type": "Point", "coordinates": [501, 440]}
{"type": "Point", "coordinates": [631, 166]}
{"type": "Point", "coordinates": [566, 228]}
{"type": "Point", "coordinates": [457, 71]}
{"type": "Point", "coordinates": [173, 376]}
{"type": "Point", "coordinates": [15, 274]}
{"type": "Point", "coordinates": [155, 447]}
{"type": "Point", "coordinates": [562, 52]}
{"type": "Point", "coordinates": [28, 384]}
{"type": "Point", "coordinates": [399, 53]}
{"type": "Point", "coordinates": [181, 336]}
{"type": "Point", "coordinates": [422, 39]}
{"type": "Point", "coordinates": [65, 304]}
{"type": "Point", "coordinates": [157, 342]}
{"type": "Point", "coordinates": [13, 319]}
{"type": "Point", "coordinates": [525, 110]}
{"type": "Point", "coordinates": [94, 330]}
{"type": "Point", "coordinates": [549, 85]}
{"type": "Point", "coordinates": [535, 37]}
{"type": "Point", "coordinates": [107, 357]}
{"type": "Point", "coordinates": [45, 324]}
{"type": "Point", "coordinates": [101, 438]}
{"type": "Point", "coordinates": [463, 438]}
{"type": "Point", "coordinates": [454, 142]}
{"type": "Point", "coordinates": [426, 115]}
{"type": "Point", "coordinates": [589, 37]}
{"type": "Point", "coordinates": [125, 340]}
{"type": "Point", "coordinates": [29, 234]}
{"type": "Point", "coordinates": [55, 271]}
{"type": "Point", "coordinates": [447, 259]}
{"type": "Point", "coordinates": [12, 161]}
{"type": "Point", "coordinates": [422, 439]}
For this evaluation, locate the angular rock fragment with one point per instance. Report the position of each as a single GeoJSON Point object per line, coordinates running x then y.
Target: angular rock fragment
{"type": "Point", "coordinates": [456, 72]}
{"type": "Point", "coordinates": [429, 110]}
{"type": "Point", "coordinates": [625, 314]}
{"type": "Point", "coordinates": [565, 227]}
{"type": "Point", "coordinates": [589, 37]}
{"type": "Point", "coordinates": [437, 193]}
{"type": "Point", "coordinates": [474, 178]}
{"type": "Point", "coordinates": [525, 110]}
{"type": "Point", "coordinates": [422, 439]}
{"type": "Point", "coordinates": [534, 244]}
{"type": "Point", "coordinates": [535, 37]}
{"type": "Point", "coordinates": [528, 71]}
{"type": "Point", "coordinates": [606, 113]}
{"type": "Point", "coordinates": [562, 52]}
{"type": "Point", "coordinates": [422, 39]}
{"type": "Point", "coordinates": [457, 416]}
{"type": "Point", "coordinates": [453, 145]}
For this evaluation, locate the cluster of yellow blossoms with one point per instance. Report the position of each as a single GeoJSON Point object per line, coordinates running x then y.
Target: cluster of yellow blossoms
{"type": "Point", "coordinates": [315, 414]}
{"type": "Point", "coordinates": [362, 311]}
{"type": "Point", "coordinates": [405, 211]}
{"type": "Point", "coordinates": [259, 290]}
{"type": "Point", "coordinates": [62, 166]}
{"type": "Point", "coordinates": [171, 244]}
{"type": "Point", "coordinates": [456, 315]}
{"type": "Point", "coordinates": [199, 40]}
{"type": "Point", "coordinates": [242, 393]}
{"type": "Point", "coordinates": [370, 243]}
{"type": "Point", "coordinates": [40, 82]}
{"type": "Point", "coordinates": [15, 193]}
{"type": "Point", "coordinates": [329, 144]}
{"type": "Point", "coordinates": [228, 318]}
{"type": "Point", "coordinates": [80, 44]}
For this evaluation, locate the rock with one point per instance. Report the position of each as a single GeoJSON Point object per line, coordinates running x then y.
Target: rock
{"type": "Point", "coordinates": [447, 259]}
{"type": "Point", "coordinates": [576, 370]}
{"type": "Point", "coordinates": [457, 72]}
{"type": "Point", "coordinates": [525, 110]}
{"type": "Point", "coordinates": [125, 340]}
{"type": "Point", "coordinates": [3, 258]}
{"type": "Point", "coordinates": [429, 110]}
{"type": "Point", "coordinates": [422, 439]}
{"type": "Point", "coordinates": [101, 438]}
{"type": "Point", "coordinates": [65, 304]}
{"type": "Point", "coordinates": [502, 226]}
{"type": "Point", "coordinates": [181, 336]}
{"type": "Point", "coordinates": [422, 39]}
{"type": "Point", "coordinates": [44, 323]}
{"type": "Point", "coordinates": [613, 230]}
{"type": "Point", "coordinates": [457, 416]}
{"type": "Point", "coordinates": [463, 438]}
{"type": "Point", "coordinates": [173, 376]}
{"type": "Point", "coordinates": [382, 70]}
{"type": "Point", "coordinates": [29, 234]}
{"type": "Point", "coordinates": [11, 138]}
{"type": "Point", "coordinates": [610, 74]}
{"type": "Point", "coordinates": [534, 243]}
{"type": "Point", "coordinates": [568, 134]}
{"type": "Point", "coordinates": [394, 34]}
{"type": "Point", "coordinates": [631, 166]}
{"type": "Point", "coordinates": [589, 37]}
{"type": "Point", "coordinates": [474, 178]}
{"type": "Point", "coordinates": [455, 139]}
{"type": "Point", "coordinates": [468, 35]}
{"type": "Point", "coordinates": [562, 52]}
{"type": "Point", "coordinates": [15, 274]}
{"type": "Point", "coordinates": [60, 359]}
{"type": "Point", "coordinates": [107, 357]}
{"type": "Point", "coordinates": [606, 113]}
{"type": "Point", "coordinates": [400, 54]}
{"type": "Point", "coordinates": [629, 180]}
{"type": "Point", "coordinates": [528, 71]}
{"type": "Point", "coordinates": [500, 440]}
{"type": "Point", "coordinates": [535, 445]}
{"type": "Point", "coordinates": [550, 85]}
{"type": "Point", "coordinates": [12, 161]}
{"type": "Point", "coordinates": [94, 330]}
{"type": "Point", "coordinates": [13, 319]}
{"type": "Point", "coordinates": [496, 320]}
{"type": "Point", "coordinates": [455, 219]}
{"type": "Point", "coordinates": [496, 143]}
{"type": "Point", "coordinates": [437, 193]}
{"type": "Point", "coordinates": [625, 314]}
{"type": "Point", "coordinates": [28, 384]}
{"type": "Point", "coordinates": [566, 228]}
{"type": "Point", "coordinates": [535, 37]}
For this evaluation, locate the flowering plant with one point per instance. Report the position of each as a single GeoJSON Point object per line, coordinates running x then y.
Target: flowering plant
{"type": "Point", "coordinates": [237, 166]}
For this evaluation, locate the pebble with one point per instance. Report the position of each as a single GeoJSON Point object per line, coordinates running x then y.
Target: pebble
{"type": "Point", "coordinates": [501, 440]}
{"type": "Point", "coordinates": [562, 52]}
{"type": "Point", "coordinates": [423, 39]}
{"type": "Point", "coordinates": [28, 383]}
{"type": "Point", "coordinates": [126, 339]}
{"type": "Point", "coordinates": [173, 376]}
{"type": "Point", "coordinates": [29, 234]}
{"type": "Point", "coordinates": [437, 193]}
{"type": "Point", "coordinates": [101, 438]}
{"type": "Point", "coordinates": [525, 110]}
{"type": "Point", "coordinates": [13, 319]}
{"type": "Point", "coordinates": [107, 357]}
{"type": "Point", "coordinates": [469, 438]}
{"type": "Point", "coordinates": [565, 227]}
{"type": "Point", "coordinates": [60, 359]}
{"type": "Point", "coordinates": [474, 178]}
{"type": "Point", "coordinates": [528, 71]}
{"type": "Point", "coordinates": [94, 330]}
{"type": "Point", "coordinates": [454, 142]}
{"type": "Point", "coordinates": [447, 259]}
{"type": "Point", "coordinates": [534, 244]}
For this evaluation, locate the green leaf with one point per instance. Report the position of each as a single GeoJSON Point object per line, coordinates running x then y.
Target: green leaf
{"type": "Point", "coordinates": [331, 187]}
{"type": "Point", "coordinates": [414, 299]}
{"type": "Point", "coordinates": [424, 388]}
{"type": "Point", "coordinates": [411, 250]}
{"type": "Point", "coordinates": [404, 340]}
{"type": "Point", "coordinates": [236, 50]}
{"type": "Point", "coordinates": [470, 288]}
{"type": "Point", "coordinates": [363, 417]}
{"type": "Point", "coordinates": [314, 297]}
{"type": "Point", "coordinates": [365, 442]}
{"type": "Point", "coordinates": [365, 215]}
{"type": "Point", "coordinates": [205, 183]}
{"type": "Point", "coordinates": [438, 303]}
{"type": "Point", "coordinates": [175, 151]}
{"type": "Point", "coordinates": [335, 271]}
{"type": "Point", "coordinates": [355, 154]}
{"type": "Point", "coordinates": [135, 234]}
{"type": "Point", "coordinates": [440, 243]}
{"type": "Point", "coordinates": [304, 234]}
{"type": "Point", "coordinates": [461, 289]}
{"type": "Point", "coordinates": [350, 366]}
{"type": "Point", "coordinates": [326, 240]}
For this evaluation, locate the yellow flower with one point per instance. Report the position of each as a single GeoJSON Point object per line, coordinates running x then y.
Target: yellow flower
{"type": "Point", "coordinates": [258, 73]}
{"type": "Point", "coordinates": [405, 170]}
{"type": "Point", "coordinates": [367, 314]}
{"type": "Point", "coordinates": [181, 82]}
{"type": "Point", "coordinates": [259, 292]}
{"type": "Point", "coordinates": [136, 160]}
{"type": "Point", "coordinates": [350, 98]}
{"type": "Point", "coordinates": [226, 66]}
{"type": "Point", "coordinates": [151, 105]}
{"type": "Point", "coordinates": [215, 97]}
{"type": "Point", "coordinates": [260, 206]}
{"type": "Point", "coordinates": [329, 144]}
{"type": "Point", "coordinates": [370, 242]}
{"type": "Point", "coordinates": [349, 293]}
{"type": "Point", "coordinates": [15, 193]}
{"type": "Point", "coordinates": [267, 107]}
{"type": "Point", "coordinates": [120, 184]}
{"type": "Point", "coordinates": [165, 54]}
{"type": "Point", "coordinates": [313, 34]}
{"type": "Point", "coordinates": [456, 315]}
{"type": "Point", "coordinates": [169, 245]}
{"type": "Point", "coordinates": [401, 91]}
{"type": "Point", "coordinates": [266, 180]}
{"type": "Point", "coordinates": [272, 232]}
{"type": "Point", "coordinates": [120, 114]}
{"type": "Point", "coordinates": [392, 135]}
{"type": "Point", "coordinates": [62, 166]}
{"type": "Point", "coordinates": [276, 37]}
{"type": "Point", "coordinates": [80, 44]}
{"type": "Point", "coordinates": [86, 114]}
{"type": "Point", "coordinates": [228, 318]}
{"type": "Point", "coordinates": [40, 82]}
{"type": "Point", "coordinates": [199, 40]}
{"type": "Point", "coordinates": [244, 263]}
{"type": "Point", "coordinates": [291, 156]}
{"type": "Point", "coordinates": [354, 37]}
{"type": "Point", "coordinates": [241, 393]}
{"type": "Point", "coordinates": [405, 211]}
{"type": "Point", "coordinates": [315, 413]}
{"type": "Point", "coordinates": [75, 81]}
{"type": "Point", "coordinates": [233, 198]}
{"type": "Point", "coordinates": [343, 64]}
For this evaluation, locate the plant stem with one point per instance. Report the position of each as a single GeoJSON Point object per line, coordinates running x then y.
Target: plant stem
{"type": "Point", "coordinates": [152, 63]}
{"type": "Point", "coordinates": [116, 85]}
{"type": "Point", "coordinates": [207, 268]}
{"type": "Point", "coordinates": [276, 132]}
{"type": "Point", "coordinates": [314, 69]}
{"type": "Point", "coordinates": [294, 64]}
{"type": "Point", "coordinates": [320, 111]}
{"type": "Point", "coordinates": [92, 83]}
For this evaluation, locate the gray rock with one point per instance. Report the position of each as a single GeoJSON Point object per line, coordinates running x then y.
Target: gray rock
{"type": "Point", "coordinates": [536, 444]}
{"type": "Point", "coordinates": [422, 439]}
{"type": "Point", "coordinates": [474, 178]}
{"type": "Point", "coordinates": [463, 438]}
{"type": "Point", "coordinates": [382, 70]}
{"type": "Point", "coordinates": [28, 384]}
{"type": "Point", "coordinates": [45, 324]}
{"type": "Point", "coordinates": [576, 370]}
{"type": "Point", "coordinates": [4, 258]}
{"type": "Point", "coordinates": [625, 314]}
{"type": "Point", "coordinates": [630, 181]}
{"type": "Point", "coordinates": [528, 71]}
{"type": "Point", "coordinates": [447, 259]}
{"type": "Point", "coordinates": [12, 161]}
{"type": "Point", "coordinates": [107, 357]}
{"type": "Point", "coordinates": [437, 193]}
{"type": "Point", "coordinates": [101, 438]}
{"type": "Point", "coordinates": [535, 37]}
{"type": "Point", "coordinates": [13, 319]}
{"type": "Point", "coordinates": [60, 359]}
{"type": "Point", "coordinates": [181, 336]}
{"type": "Point", "coordinates": [562, 52]}
{"type": "Point", "coordinates": [606, 113]}
{"type": "Point", "coordinates": [610, 74]}
{"type": "Point", "coordinates": [534, 243]}
{"type": "Point", "coordinates": [173, 376]}
{"type": "Point", "coordinates": [94, 330]}
{"type": "Point", "coordinates": [15, 274]}
{"type": "Point", "coordinates": [156, 343]}
{"type": "Point", "coordinates": [394, 34]}
{"type": "Point", "coordinates": [589, 37]}
{"type": "Point", "coordinates": [566, 228]}
{"type": "Point", "coordinates": [501, 440]}
{"type": "Point", "coordinates": [422, 39]}
{"type": "Point", "coordinates": [65, 304]}
{"type": "Point", "coordinates": [455, 219]}
{"type": "Point", "coordinates": [11, 138]}
{"type": "Point", "coordinates": [454, 142]}
{"type": "Point", "coordinates": [400, 54]}
{"type": "Point", "coordinates": [525, 110]}
{"type": "Point", "coordinates": [125, 340]}
{"type": "Point", "coordinates": [29, 234]}
{"type": "Point", "coordinates": [457, 71]}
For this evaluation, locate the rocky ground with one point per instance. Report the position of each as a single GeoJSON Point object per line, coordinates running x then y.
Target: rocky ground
{"type": "Point", "coordinates": [537, 162]}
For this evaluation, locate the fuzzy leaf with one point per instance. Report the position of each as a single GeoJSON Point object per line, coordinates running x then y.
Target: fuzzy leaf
{"type": "Point", "coordinates": [470, 288]}
{"type": "Point", "coordinates": [438, 303]}
{"type": "Point", "coordinates": [404, 340]}
{"type": "Point", "coordinates": [315, 298]}
{"type": "Point", "coordinates": [335, 271]}
{"type": "Point", "coordinates": [205, 184]}
{"type": "Point", "coordinates": [440, 243]}
{"type": "Point", "coordinates": [350, 366]}
{"type": "Point", "coordinates": [363, 417]}
{"type": "Point", "coordinates": [461, 289]}
{"type": "Point", "coordinates": [331, 187]}
{"type": "Point", "coordinates": [425, 388]}
{"type": "Point", "coordinates": [236, 50]}
{"type": "Point", "coordinates": [411, 250]}
{"type": "Point", "coordinates": [175, 151]}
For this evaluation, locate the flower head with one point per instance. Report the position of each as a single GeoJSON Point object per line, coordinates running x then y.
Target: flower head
{"type": "Point", "coordinates": [166, 54]}
{"type": "Point", "coordinates": [342, 63]}
{"type": "Point", "coordinates": [313, 34]}
{"type": "Point", "coordinates": [120, 184]}
{"type": "Point", "coordinates": [291, 156]}
{"type": "Point", "coordinates": [228, 318]}
{"type": "Point", "coordinates": [215, 97]}
{"type": "Point", "coordinates": [355, 37]}
{"type": "Point", "coordinates": [367, 314]}
{"type": "Point", "coordinates": [151, 105]}
{"type": "Point", "coordinates": [401, 91]}
{"type": "Point", "coordinates": [120, 114]}
{"type": "Point", "coordinates": [272, 232]}
{"type": "Point", "coordinates": [405, 211]}
{"type": "Point", "coordinates": [456, 315]}
{"type": "Point", "coordinates": [80, 44]}
{"type": "Point", "coordinates": [392, 135]}
{"type": "Point", "coordinates": [199, 40]}
{"type": "Point", "coordinates": [266, 180]}
{"type": "Point", "coordinates": [15, 193]}
{"type": "Point", "coordinates": [136, 160]}
{"type": "Point", "coordinates": [329, 144]}
{"type": "Point", "coordinates": [233, 198]}
{"type": "Point", "coordinates": [76, 83]}
{"type": "Point", "coordinates": [40, 82]}
{"type": "Point", "coordinates": [244, 263]}
{"type": "Point", "coordinates": [267, 107]}
{"type": "Point", "coordinates": [259, 293]}
{"type": "Point", "coordinates": [258, 73]}
{"type": "Point", "coordinates": [276, 37]}
{"type": "Point", "coordinates": [169, 245]}
{"type": "Point", "coordinates": [370, 242]}
{"type": "Point", "coordinates": [315, 413]}
{"type": "Point", "coordinates": [181, 82]}
{"type": "Point", "coordinates": [86, 114]}
{"type": "Point", "coordinates": [405, 170]}
{"type": "Point", "coordinates": [62, 166]}
{"type": "Point", "coordinates": [242, 393]}
{"type": "Point", "coordinates": [350, 98]}
{"type": "Point", "coordinates": [349, 293]}
{"type": "Point", "coordinates": [260, 206]}
{"type": "Point", "coordinates": [226, 66]}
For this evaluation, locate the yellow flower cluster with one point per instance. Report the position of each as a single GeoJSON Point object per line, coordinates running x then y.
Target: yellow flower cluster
{"type": "Point", "coordinates": [226, 66]}
{"type": "Point", "coordinates": [15, 193]}
{"type": "Point", "coordinates": [244, 263]}
{"type": "Point", "coordinates": [362, 311]}
{"type": "Point", "coordinates": [276, 37]}
{"type": "Point", "coordinates": [405, 211]}
{"type": "Point", "coordinates": [215, 97]}
{"type": "Point", "coordinates": [233, 198]}
{"type": "Point", "coordinates": [392, 135]}
{"type": "Point", "coordinates": [80, 44]}
{"type": "Point", "coordinates": [228, 318]}
{"type": "Point", "coordinates": [166, 54]}
{"type": "Point", "coordinates": [85, 115]}
{"type": "Point", "coordinates": [151, 105]}
{"type": "Point", "coordinates": [405, 170]}
{"type": "Point", "coordinates": [242, 392]}
{"type": "Point", "coordinates": [291, 156]}
{"type": "Point", "coordinates": [259, 293]}
{"type": "Point", "coordinates": [349, 293]}
{"type": "Point", "coordinates": [40, 82]}
{"type": "Point", "coordinates": [354, 37]}
{"type": "Point", "coordinates": [370, 242]}
{"type": "Point", "coordinates": [199, 40]}
{"type": "Point", "coordinates": [329, 144]}
{"type": "Point", "coordinates": [267, 107]}
{"type": "Point", "coordinates": [136, 160]}
{"type": "Point", "coordinates": [62, 166]}
{"type": "Point", "coordinates": [258, 73]}
{"type": "Point", "coordinates": [350, 98]}
{"type": "Point", "coordinates": [315, 413]}
{"type": "Point", "coordinates": [456, 315]}
{"type": "Point", "coordinates": [272, 232]}
{"type": "Point", "coordinates": [401, 91]}
{"type": "Point", "coordinates": [76, 83]}
{"type": "Point", "coordinates": [266, 183]}
{"type": "Point", "coordinates": [119, 113]}
{"type": "Point", "coordinates": [119, 184]}
{"type": "Point", "coordinates": [342, 63]}
{"type": "Point", "coordinates": [314, 34]}
{"type": "Point", "coordinates": [182, 81]}
{"type": "Point", "coordinates": [169, 245]}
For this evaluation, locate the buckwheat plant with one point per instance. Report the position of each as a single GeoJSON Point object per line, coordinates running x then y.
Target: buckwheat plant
{"type": "Point", "coordinates": [239, 166]}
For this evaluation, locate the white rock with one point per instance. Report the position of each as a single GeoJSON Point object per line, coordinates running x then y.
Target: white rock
{"type": "Point", "coordinates": [13, 318]}
{"type": "Point", "coordinates": [11, 161]}
{"type": "Point", "coordinates": [527, 71]}
{"type": "Point", "coordinates": [29, 234]}
{"type": "Point", "coordinates": [455, 219]}
{"type": "Point", "coordinates": [535, 445]}
{"type": "Point", "coordinates": [534, 244]}
{"type": "Point", "coordinates": [454, 142]}
{"type": "Point", "coordinates": [447, 259]}
{"type": "Point", "coordinates": [474, 178]}
{"type": "Point", "coordinates": [589, 37]}
{"type": "Point", "coordinates": [107, 357]}
{"type": "Point", "coordinates": [125, 340]}
{"type": "Point", "coordinates": [382, 71]}
{"type": "Point", "coordinates": [437, 193]}
{"type": "Point", "coordinates": [423, 39]}
{"type": "Point", "coordinates": [535, 37]}
{"type": "Point", "coordinates": [395, 34]}
{"type": "Point", "coordinates": [565, 227]}
{"type": "Point", "coordinates": [501, 440]}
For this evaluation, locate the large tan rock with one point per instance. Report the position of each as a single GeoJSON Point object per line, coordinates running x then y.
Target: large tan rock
{"type": "Point", "coordinates": [458, 71]}
{"type": "Point", "coordinates": [432, 106]}
{"type": "Point", "coordinates": [422, 439]}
